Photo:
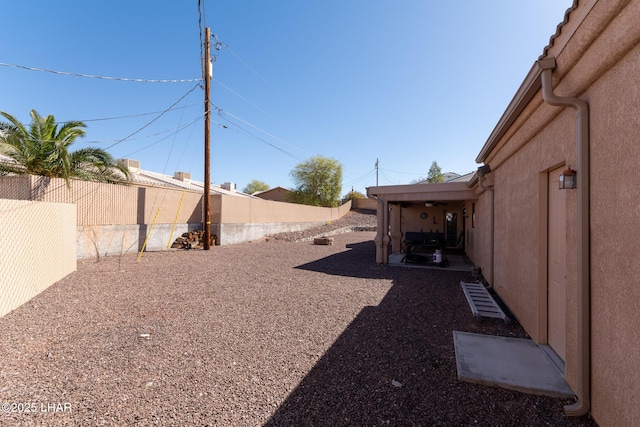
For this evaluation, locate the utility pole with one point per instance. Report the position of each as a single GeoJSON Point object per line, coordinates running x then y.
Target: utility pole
{"type": "Point", "coordinates": [206, 70]}
{"type": "Point", "coordinates": [376, 172]}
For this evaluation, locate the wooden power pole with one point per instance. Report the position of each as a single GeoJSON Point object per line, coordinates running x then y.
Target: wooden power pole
{"type": "Point", "coordinates": [207, 149]}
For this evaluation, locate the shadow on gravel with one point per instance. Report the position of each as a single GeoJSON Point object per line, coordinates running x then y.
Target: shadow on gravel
{"type": "Point", "coordinates": [358, 261]}
{"type": "Point", "coordinates": [395, 363]}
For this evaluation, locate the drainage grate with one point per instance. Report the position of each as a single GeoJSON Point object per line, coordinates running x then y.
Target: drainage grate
{"type": "Point", "coordinates": [482, 303]}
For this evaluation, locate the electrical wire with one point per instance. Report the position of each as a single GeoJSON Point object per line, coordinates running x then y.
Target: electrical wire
{"type": "Point", "coordinates": [132, 115]}
{"type": "Point", "coordinates": [257, 138]}
{"type": "Point", "coordinates": [153, 135]}
{"type": "Point", "coordinates": [240, 96]}
{"type": "Point", "coordinates": [242, 61]}
{"type": "Point", "coordinates": [405, 173]}
{"type": "Point", "coordinates": [123, 79]}
{"type": "Point", "coordinates": [184, 149]}
{"type": "Point", "coordinates": [180, 129]}
{"type": "Point", "coordinates": [389, 179]}
{"type": "Point", "coordinates": [222, 112]}
{"type": "Point", "coordinates": [200, 7]}
{"type": "Point", "coordinates": [156, 118]}
{"type": "Point", "coordinates": [366, 175]}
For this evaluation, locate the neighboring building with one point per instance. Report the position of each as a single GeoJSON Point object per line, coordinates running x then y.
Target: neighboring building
{"type": "Point", "coordinates": [180, 180]}
{"type": "Point", "coordinates": [461, 178]}
{"type": "Point", "coordinates": [563, 260]}
{"type": "Point", "coordinates": [277, 194]}
{"type": "Point", "coordinates": [449, 176]}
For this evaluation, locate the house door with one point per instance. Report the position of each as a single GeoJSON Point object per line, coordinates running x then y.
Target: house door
{"type": "Point", "coordinates": [452, 229]}
{"type": "Point", "coordinates": [557, 266]}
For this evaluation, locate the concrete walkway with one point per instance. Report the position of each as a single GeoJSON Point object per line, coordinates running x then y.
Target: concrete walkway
{"type": "Point", "coordinates": [456, 263]}
{"type": "Point", "coordinates": [513, 363]}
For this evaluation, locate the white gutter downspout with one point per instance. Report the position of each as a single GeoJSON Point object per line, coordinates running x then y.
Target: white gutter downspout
{"type": "Point", "coordinates": [482, 170]}
{"type": "Point", "coordinates": [583, 404]}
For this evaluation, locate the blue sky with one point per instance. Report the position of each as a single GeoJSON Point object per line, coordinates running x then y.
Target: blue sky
{"type": "Point", "coordinates": [406, 82]}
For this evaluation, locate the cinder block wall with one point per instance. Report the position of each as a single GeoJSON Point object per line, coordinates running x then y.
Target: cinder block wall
{"type": "Point", "coordinates": [365, 204]}
{"type": "Point", "coordinates": [37, 248]}
{"type": "Point", "coordinates": [116, 219]}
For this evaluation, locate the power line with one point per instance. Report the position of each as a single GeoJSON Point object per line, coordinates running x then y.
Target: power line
{"type": "Point", "coordinates": [156, 118]}
{"type": "Point", "coordinates": [222, 112]}
{"type": "Point", "coordinates": [130, 116]}
{"type": "Point", "coordinates": [123, 79]}
{"type": "Point", "coordinates": [404, 173]}
{"type": "Point", "coordinates": [106, 141]}
{"type": "Point", "coordinates": [200, 12]}
{"type": "Point", "coordinates": [366, 175]}
{"type": "Point", "coordinates": [388, 179]}
{"type": "Point", "coordinates": [239, 96]}
{"type": "Point", "coordinates": [180, 129]}
{"type": "Point", "coordinates": [257, 138]}
{"type": "Point", "coordinates": [242, 61]}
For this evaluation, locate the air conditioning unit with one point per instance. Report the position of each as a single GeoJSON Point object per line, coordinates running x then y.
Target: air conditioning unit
{"type": "Point", "coordinates": [229, 186]}
{"type": "Point", "coordinates": [182, 176]}
{"type": "Point", "coordinates": [132, 165]}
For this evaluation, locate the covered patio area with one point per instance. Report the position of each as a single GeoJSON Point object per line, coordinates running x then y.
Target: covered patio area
{"type": "Point", "coordinates": [439, 215]}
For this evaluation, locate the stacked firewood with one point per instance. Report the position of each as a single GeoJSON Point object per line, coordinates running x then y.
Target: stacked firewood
{"type": "Point", "coordinates": [192, 240]}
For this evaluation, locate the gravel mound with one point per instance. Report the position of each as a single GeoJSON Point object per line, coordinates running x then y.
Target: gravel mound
{"type": "Point", "coordinates": [355, 220]}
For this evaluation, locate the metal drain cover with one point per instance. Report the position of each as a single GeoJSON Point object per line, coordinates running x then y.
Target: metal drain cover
{"type": "Point", "coordinates": [482, 303]}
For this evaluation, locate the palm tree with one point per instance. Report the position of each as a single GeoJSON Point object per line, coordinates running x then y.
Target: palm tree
{"type": "Point", "coordinates": [43, 149]}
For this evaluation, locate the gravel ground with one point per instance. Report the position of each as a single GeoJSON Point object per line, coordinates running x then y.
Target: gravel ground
{"type": "Point", "coordinates": [355, 219]}
{"type": "Point", "coordinates": [270, 333]}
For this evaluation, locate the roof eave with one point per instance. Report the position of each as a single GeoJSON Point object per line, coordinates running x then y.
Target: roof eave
{"type": "Point", "coordinates": [529, 87]}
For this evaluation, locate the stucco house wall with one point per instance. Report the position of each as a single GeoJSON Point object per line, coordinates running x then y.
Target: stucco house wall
{"type": "Point", "coordinates": [597, 57]}
{"type": "Point", "coordinates": [478, 233]}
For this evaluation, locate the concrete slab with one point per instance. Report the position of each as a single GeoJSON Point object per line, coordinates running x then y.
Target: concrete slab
{"type": "Point", "coordinates": [513, 363]}
{"type": "Point", "coordinates": [456, 263]}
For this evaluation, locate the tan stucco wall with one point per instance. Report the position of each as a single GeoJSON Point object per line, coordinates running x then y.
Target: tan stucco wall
{"type": "Point", "coordinates": [117, 219]}
{"type": "Point", "coordinates": [615, 215]}
{"type": "Point", "coordinates": [600, 64]}
{"type": "Point", "coordinates": [410, 219]}
{"type": "Point", "coordinates": [106, 204]}
{"type": "Point", "coordinates": [365, 204]}
{"type": "Point", "coordinates": [237, 210]}
{"type": "Point", "coordinates": [478, 239]}
{"type": "Point", "coordinates": [37, 248]}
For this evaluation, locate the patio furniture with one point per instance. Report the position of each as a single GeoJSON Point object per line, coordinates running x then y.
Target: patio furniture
{"type": "Point", "coordinates": [421, 246]}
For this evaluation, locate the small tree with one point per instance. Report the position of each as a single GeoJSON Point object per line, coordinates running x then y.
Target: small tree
{"type": "Point", "coordinates": [352, 195]}
{"type": "Point", "coordinates": [435, 173]}
{"type": "Point", "coordinates": [255, 186]}
{"type": "Point", "coordinates": [318, 182]}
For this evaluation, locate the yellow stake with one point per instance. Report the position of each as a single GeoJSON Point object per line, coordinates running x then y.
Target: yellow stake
{"type": "Point", "coordinates": [148, 234]}
{"type": "Point", "coordinates": [176, 220]}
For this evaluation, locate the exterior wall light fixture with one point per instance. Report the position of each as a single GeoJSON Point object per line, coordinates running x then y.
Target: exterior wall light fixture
{"type": "Point", "coordinates": [567, 179]}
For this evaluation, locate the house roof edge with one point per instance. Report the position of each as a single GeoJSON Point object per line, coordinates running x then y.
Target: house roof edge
{"type": "Point", "coordinates": [521, 99]}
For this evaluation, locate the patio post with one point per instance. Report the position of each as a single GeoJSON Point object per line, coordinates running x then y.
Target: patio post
{"type": "Point", "coordinates": [382, 233]}
{"type": "Point", "coordinates": [395, 227]}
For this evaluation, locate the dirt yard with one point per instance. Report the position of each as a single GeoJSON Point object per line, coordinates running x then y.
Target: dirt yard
{"type": "Point", "coordinates": [271, 333]}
